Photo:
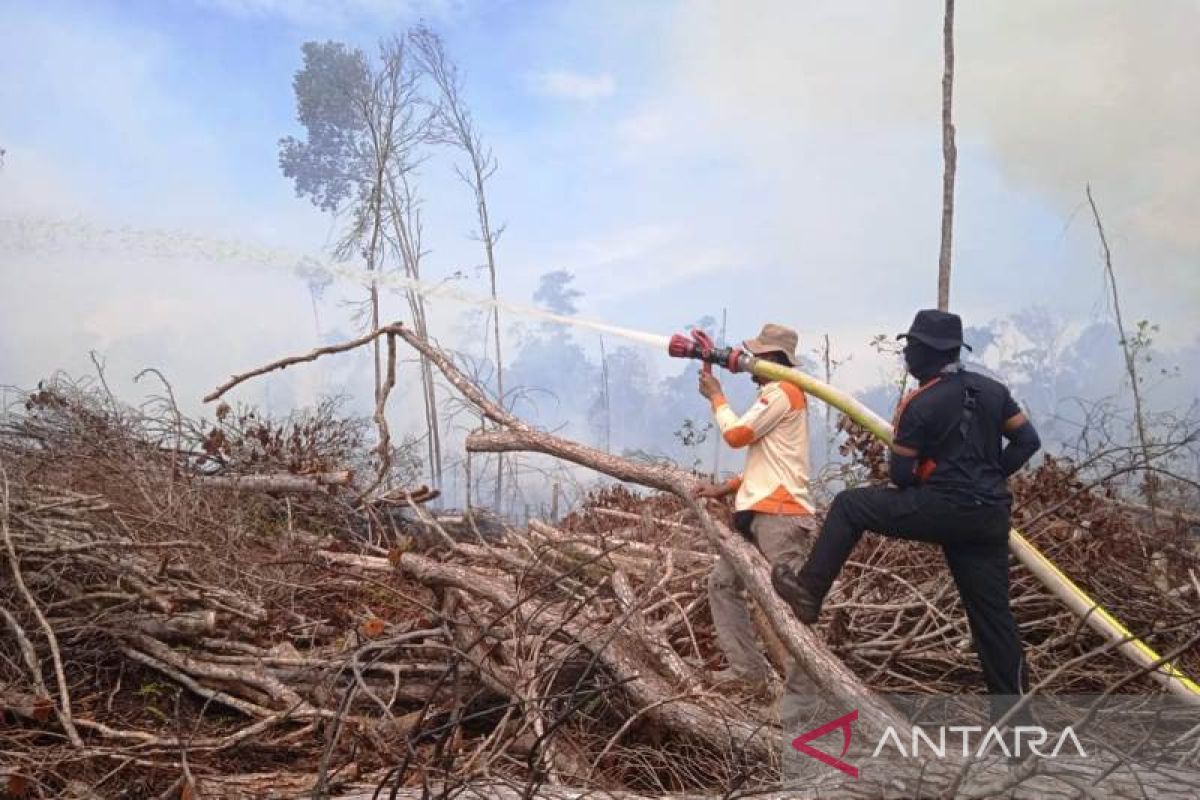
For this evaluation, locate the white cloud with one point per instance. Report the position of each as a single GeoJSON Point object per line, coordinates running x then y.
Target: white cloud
{"type": "Point", "coordinates": [1057, 94]}
{"type": "Point", "coordinates": [106, 116]}
{"type": "Point", "coordinates": [574, 85]}
{"type": "Point", "coordinates": [625, 244]}
{"type": "Point", "coordinates": [639, 259]}
{"type": "Point", "coordinates": [32, 184]}
{"type": "Point", "coordinates": [644, 128]}
{"type": "Point", "coordinates": [338, 12]}
{"type": "Point", "coordinates": [783, 164]}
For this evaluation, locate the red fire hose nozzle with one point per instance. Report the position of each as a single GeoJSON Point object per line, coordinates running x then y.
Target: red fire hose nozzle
{"type": "Point", "coordinates": [701, 346]}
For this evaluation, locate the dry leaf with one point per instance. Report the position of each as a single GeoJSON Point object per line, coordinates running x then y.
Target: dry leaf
{"type": "Point", "coordinates": [372, 628]}
{"type": "Point", "coordinates": [16, 786]}
{"type": "Point", "coordinates": [42, 707]}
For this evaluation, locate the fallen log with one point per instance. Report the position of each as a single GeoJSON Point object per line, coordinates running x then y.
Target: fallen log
{"type": "Point", "coordinates": [826, 671]}
{"type": "Point", "coordinates": [178, 628]}
{"type": "Point", "coordinates": [615, 646]}
{"type": "Point", "coordinates": [282, 483]}
{"type": "Point", "coordinates": [406, 497]}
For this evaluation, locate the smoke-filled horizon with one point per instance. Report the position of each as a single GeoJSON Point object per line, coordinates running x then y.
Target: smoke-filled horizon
{"type": "Point", "coordinates": [43, 238]}
{"type": "Point", "coordinates": [673, 165]}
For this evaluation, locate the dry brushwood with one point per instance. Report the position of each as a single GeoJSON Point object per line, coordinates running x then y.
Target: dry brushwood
{"type": "Point", "coordinates": [249, 644]}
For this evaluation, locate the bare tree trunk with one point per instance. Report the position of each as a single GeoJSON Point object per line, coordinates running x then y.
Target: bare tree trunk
{"type": "Point", "coordinates": [604, 398]}
{"type": "Point", "coordinates": [371, 267]}
{"type": "Point", "coordinates": [1139, 420]}
{"type": "Point", "coordinates": [381, 138]}
{"type": "Point", "coordinates": [316, 316]}
{"type": "Point", "coordinates": [949, 156]}
{"type": "Point", "coordinates": [489, 241]}
{"type": "Point", "coordinates": [379, 130]}
{"type": "Point", "coordinates": [390, 218]}
{"type": "Point", "coordinates": [457, 129]}
{"type": "Point", "coordinates": [406, 223]}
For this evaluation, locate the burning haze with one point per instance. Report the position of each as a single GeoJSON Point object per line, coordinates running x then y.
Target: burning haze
{"type": "Point", "coordinates": [674, 160]}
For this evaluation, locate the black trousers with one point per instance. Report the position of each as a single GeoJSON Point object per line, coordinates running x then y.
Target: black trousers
{"type": "Point", "coordinates": [974, 539]}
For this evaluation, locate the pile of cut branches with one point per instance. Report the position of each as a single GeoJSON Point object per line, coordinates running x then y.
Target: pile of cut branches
{"type": "Point", "coordinates": [165, 633]}
{"type": "Point", "coordinates": [172, 635]}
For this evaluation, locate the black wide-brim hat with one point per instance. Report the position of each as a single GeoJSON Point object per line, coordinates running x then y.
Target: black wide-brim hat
{"type": "Point", "coordinates": [941, 330]}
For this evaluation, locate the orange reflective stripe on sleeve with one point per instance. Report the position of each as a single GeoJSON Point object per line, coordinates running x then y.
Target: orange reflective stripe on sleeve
{"type": "Point", "coordinates": [739, 436]}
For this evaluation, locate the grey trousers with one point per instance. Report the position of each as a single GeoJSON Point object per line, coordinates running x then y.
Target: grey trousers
{"type": "Point", "coordinates": [801, 705]}
{"type": "Point", "coordinates": [778, 538]}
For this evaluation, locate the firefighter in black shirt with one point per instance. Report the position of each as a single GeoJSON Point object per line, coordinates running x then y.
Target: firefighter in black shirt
{"type": "Point", "coordinates": [950, 470]}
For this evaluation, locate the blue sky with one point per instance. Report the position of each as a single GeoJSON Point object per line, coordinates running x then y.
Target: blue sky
{"type": "Point", "coordinates": [779, 159]}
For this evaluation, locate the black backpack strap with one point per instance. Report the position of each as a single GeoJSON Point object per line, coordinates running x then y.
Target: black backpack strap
{"type": "Point", "coordinates": [966, 419]}
{"type": "Point", "coordinates": [969, 408]}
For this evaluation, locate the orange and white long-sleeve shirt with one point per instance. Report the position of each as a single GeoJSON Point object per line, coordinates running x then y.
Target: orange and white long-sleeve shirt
{"type": "Point", "coordinates": [774, 432]}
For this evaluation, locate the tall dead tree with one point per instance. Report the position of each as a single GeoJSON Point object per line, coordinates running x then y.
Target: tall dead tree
{"type": "Point", "coordinates": [400, 78]}
{"type": "Point", "coordinates": [1129, 351]}
{"type": "Point", "coordinates": [949, 157]}
{"type": "Point", "coordinates": [605, 399]}
{"type": "Point", "coordinates": [406, 225]}
{"type": "Point", "coordinates": [455, 127]}
{"type": "Point", "coordinates": [364, 126]}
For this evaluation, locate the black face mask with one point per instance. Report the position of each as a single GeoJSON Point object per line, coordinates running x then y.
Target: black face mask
{"type": "Point", "coordinates": [924, 362]}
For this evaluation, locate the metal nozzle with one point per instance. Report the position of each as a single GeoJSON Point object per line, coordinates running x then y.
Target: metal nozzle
{"type": "Point", "coordinates": [683, 347]}
{"type": "Point", "coordinates": [700, 346]}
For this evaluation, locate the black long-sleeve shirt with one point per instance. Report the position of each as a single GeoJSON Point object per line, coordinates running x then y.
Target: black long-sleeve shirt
{"type": "Point", "coordinates": [969, 462]}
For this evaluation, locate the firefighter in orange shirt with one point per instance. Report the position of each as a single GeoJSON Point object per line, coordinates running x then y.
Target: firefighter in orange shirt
{"type": "Point", "coordinates": [772, 507]}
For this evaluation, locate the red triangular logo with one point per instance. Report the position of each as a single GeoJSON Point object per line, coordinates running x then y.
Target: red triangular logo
{"type": "Point", "coordinates": [800, 743]}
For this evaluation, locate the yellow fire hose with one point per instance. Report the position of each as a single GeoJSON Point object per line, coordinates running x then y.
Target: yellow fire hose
{"type": "Point", "coordinates": [1043, 568]}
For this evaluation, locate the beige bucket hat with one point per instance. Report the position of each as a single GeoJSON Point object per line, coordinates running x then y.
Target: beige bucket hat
{"type": "Point", "coordinates": [774, 339]}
